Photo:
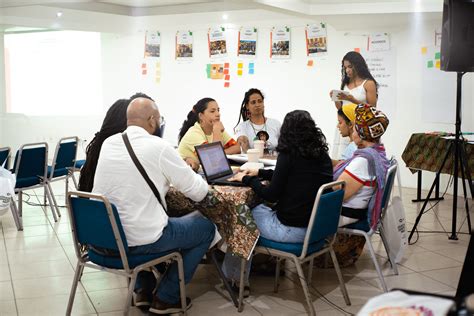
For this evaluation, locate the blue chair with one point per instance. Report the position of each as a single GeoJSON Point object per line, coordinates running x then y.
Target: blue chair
{"type": "Point", "coordinates": [4, 155]}
{"type": "Point", "coordinates": [320, 236]}
{"type": "Point", "coordinates": [362, 227]}
{"type": "Point", "coordinates": [30, 169]}
{"type": "Point", "coordinates": [95, 224]}
{"type": "Point", "coordinates": [63, 162]}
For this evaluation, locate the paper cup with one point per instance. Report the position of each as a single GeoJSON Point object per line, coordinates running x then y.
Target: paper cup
{"type": "Point", "coordinates": [260, 145]}
{"type": "Point", "coordinates": [253, 155]}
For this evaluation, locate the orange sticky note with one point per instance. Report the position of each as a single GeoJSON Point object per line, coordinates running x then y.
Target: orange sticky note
{"type": "Point", "coordinates": [438, 64]}
{"type": "Point", "coordinates": [144, 65]}
{"type": "Point", "coordinates": [424, 50]}
{"type": "Point", "coordinates": [239, 72]}
{"type": "Point", "coordinates": [226, 71]}
{"type": "Point", "coordinates": [226, 84]}
{"type": "Point", "coordinates": [357, 49]}
{"type": "Point", "coordinates": [227, 77]}
{"type": "Point", "coordinates": [143, 71]}
{"type": "Point", "coordinates": [226, 65]}
{"type": "Point", "coordinates": [310, 63]}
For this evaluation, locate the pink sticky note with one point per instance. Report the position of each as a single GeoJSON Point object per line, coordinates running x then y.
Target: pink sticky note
{"type": "Point", "coordinates": [143, 71]}
{"type": "Point", "coordinates": [226, 71]}
{"type": "Point", "coordinates": [357, 49]}
{"type": "Point", "coordinates": [226, 65]}
{"type": "Point", "coordinates": [227, 77]}
{"type": "Point", "coordinates": [143, 65]}
{"type": "Point", "coordinates": [226, 84]}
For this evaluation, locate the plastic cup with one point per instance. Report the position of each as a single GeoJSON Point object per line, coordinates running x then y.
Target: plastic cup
{"type": "Point", "coordinates": [253, 155]}
{"type": "Point", "coordinates": [260, 145]}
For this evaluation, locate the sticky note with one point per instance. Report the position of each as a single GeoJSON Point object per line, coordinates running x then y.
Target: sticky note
{"type": "Point", "coordinates": [240, 65]}
{"type": "Point", "coordinates": [430, 64]}
{"type": "Point", "coordinates": [208, 70]}
{"type": "Point", "coordinates": [251, 65]}
{"type": "Point", "coordinates": [227, 77]}
{"type": "Point", "coordinates": [157, 79]}
{"type": "Point", "coordinates": [143, 71]}
{"type": "Point", "coordinates": [357, 49]}
{"type": "Point", "coordinates": [310, 63]}
{"type": "Point", "coordinates": [438, 64]}
{"type": "Point", "coordinates": [437, 55]}
{"type": "Point", "coordinates": [226, 71]}
{"type": "Point", "coordinates": [251, 71]}
{"type": "Point", "coordinates": [424, 50]}
{"type": "Point", "coordinates": [227, 84]}
{"type": "Point", "coordinates": [226, 65]}
{"type": "Point", "coordinates": [239, 72]}
{"type": "Point", "coordinates": [144, 65]}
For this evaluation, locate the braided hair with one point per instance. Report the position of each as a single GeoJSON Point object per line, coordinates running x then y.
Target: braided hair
{"type": "Point", "coordinates": [244, 112]}
{"type": "Point", "coordinates": [193, 116]}
{"type": "Point", "coordinates": [360, 66]}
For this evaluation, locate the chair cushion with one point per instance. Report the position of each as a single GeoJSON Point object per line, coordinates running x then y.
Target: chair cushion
{"type": "Point", "coordinates": [116, 263]}
{"type": "Point", "coordinates": [359, 225]}
{"type": "Point", "coordinates": [294, 248]}
{"type": "Point", "coordinates": [26, 182]}
{"type": "Point", "coordinates": [79, 163]}
{"type": "Point", "coordinates": [57, 172]}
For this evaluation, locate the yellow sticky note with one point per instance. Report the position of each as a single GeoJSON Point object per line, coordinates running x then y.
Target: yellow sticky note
{"type": "Point", "coordinates": [239, 72]}
{"type": "Point", "coordinates": [424, 50]}
{"type": "Point", "coordinates": [438, 64]}
{"type": "Point", "coordinates": [240, 65]}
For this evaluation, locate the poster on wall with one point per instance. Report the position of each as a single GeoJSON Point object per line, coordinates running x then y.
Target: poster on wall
{"type": "Point", "coordinates": [378, 42]}
{"type": "Point", "coordinates": [184, 45]}
{"type": "Point", "coordinates": [316, 39]}
{"type": "Point", "coordinates": [382, 66]}
{"type": "Point", "coordinates": [280, 43]}
{"type": "Point", "coordinates": [247, 42]}
{"type": "Point", "coordinates": [152, 44]}
{"type": "Point", "coordinates": [217, 42]}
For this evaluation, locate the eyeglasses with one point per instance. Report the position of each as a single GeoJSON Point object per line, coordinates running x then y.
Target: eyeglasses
{"type": "Point", "coordinates": [161, 121]}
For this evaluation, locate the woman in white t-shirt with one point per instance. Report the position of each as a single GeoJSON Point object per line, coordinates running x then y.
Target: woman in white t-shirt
{"type": "Point", "coordinates": [365, 172]}
{"type": "Point", "coordinates": [255, 125]}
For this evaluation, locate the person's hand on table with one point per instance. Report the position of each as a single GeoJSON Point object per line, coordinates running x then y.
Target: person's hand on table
{"type": "Point", "coordinates": [250, 172]}
{"type": "Point", "coordinates": [238, 176]}
{"type": "Point", "coordinates": [192, 163]}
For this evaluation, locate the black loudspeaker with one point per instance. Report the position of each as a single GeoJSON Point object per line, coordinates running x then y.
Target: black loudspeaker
{"type": "Point", "coordinates": [457, 39]}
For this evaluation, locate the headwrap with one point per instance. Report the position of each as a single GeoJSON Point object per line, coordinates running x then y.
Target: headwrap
{"type": "Point", "coordinates": [370, 123]}
{"type": "Point", "coordinates": [349, 111]}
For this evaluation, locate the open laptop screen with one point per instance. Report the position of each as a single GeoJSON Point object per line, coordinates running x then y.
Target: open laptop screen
{"type": "Point", "coordinates": [213, 160]}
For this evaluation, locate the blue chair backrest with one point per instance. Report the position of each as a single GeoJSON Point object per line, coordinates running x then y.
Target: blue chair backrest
{"type": "Point", "coordinates": [30, 165]}
{"type": "Point", "coordinates": [93, 225]}
{"type": "Point", "coordinates": [326, 219]}
{"type": "Point", "coordinates": [65, 157]}
{"type": "Point", "coordinates": [4, 153]}
{"type": "Point", "coordinates": [390, 180]}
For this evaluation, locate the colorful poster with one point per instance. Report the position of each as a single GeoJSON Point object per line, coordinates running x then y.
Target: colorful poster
{"type": "Point", "coordinates": [316, 39]}
{"type": "Point", "coordinates": [378, 42]}
{"type": "Point", "coordinates": [217, 42]}
{"type": "Point", "coordinates": [247, 42]}
{"type": "Point", "coordinates": [152, 44]}
{"type": "Point", "coordinates": [184, 45]}
{"type": "Point", "coordinates": [217, 71]}
{"type": "Point", "coordinates": [280, 43]}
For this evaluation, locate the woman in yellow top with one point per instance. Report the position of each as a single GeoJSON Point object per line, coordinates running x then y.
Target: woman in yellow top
{"type": "Point", "coordinates": [203, 125]}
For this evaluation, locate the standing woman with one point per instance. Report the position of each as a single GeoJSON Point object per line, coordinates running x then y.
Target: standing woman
{"type": "Point", "coordinates": [252, 113]}
{"type": "Point", "coordinates": [203, 125]}
{"type": "Point", "coordinates": [357, 81]}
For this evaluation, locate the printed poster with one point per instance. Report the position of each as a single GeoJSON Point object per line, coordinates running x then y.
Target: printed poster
{"type": "Point", "coordinates": [184, 45]}
{"type": "Point", "coordinates": [378, 42]}
{"type": "Point", "coordinates": [247, 42]}
{"type": "Point", "coordinates": [217, 71]}
{"type": "Point", "coordinates": [152, 44]}
{"type": "Point", "coordinates": [217, 42]}
{"type": "Point", "coordinates": [280, 43]}
{"type": "Point", "coordinates": [316, 39]}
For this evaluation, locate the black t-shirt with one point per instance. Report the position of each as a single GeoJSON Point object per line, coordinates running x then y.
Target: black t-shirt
{"type": "Point", "coordinates": [294, 185]}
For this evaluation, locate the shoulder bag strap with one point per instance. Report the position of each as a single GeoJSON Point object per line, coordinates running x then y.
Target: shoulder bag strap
{"type": "Point", "coordinates": [141, 169]}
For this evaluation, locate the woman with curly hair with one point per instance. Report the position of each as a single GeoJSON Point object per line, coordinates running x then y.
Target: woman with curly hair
{"type": "Point", "coordinates": [303, 165]}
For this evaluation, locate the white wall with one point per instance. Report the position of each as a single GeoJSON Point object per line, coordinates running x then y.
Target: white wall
{"type": "Point", "coordinates": [287, 85]}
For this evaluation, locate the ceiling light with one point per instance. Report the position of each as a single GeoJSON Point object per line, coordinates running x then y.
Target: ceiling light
{"type": "Point", "coordinates": [59, 14]}
{"type": "Point", "coordinates": [225, 16]}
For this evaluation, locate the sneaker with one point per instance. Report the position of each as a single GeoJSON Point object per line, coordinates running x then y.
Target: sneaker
{"type": "Point", "coordinates": [141, 298]}
{"type": "Point", "coordinates": [160, 307]}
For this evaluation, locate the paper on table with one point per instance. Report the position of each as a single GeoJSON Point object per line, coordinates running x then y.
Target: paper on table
{"type": "Point", "coordinates": [335, 94]}
{"type": "Point", "coordinates": [242, 158]}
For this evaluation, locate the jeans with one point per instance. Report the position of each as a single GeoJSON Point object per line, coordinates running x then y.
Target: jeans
{"type": "Point", "coordinates": [271, 228]}
{"type": "Point", "coordinates": [191, 235]}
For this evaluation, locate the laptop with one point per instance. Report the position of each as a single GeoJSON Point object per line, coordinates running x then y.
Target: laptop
{"type": "Point", "coordinates": [215, 165]}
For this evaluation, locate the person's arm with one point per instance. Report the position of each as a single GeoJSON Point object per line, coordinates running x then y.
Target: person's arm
{"type": "Point", "coordinates": [265, 174]}
{"type": "Point", "coordinates": [243, 141]}
{"type": "Point", "coordinates": [352, 185]}
{"type": "Point", "coordinates": [371, 92]}
{"type": "Point", "coordinates": [230, 145]}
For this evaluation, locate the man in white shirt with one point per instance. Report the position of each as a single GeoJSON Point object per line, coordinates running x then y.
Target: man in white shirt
{"type": "Point", "coordinates": [147, 227]}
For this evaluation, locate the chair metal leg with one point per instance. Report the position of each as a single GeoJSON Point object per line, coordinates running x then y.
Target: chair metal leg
{"type": "Point", "coordinates": [342, 284]}
{"type": "Point", "coordinates": [310, 271]}
{"type": "Point", "coordinates": [387, 250]}
{"type": "Point", "coordinates": [77, 278]}
{"type": "Point", "coordinates": [377, 266]}
{"type": "Point", "coordinates": [304, 285]}
{"type": "Point", "coordinates": [243, 263]}
{"type": "Point", "coordinates": [74, 180]}
{"type": "Point", "coordinates": [131, 285]}
{"type": "Point", "coordinates": [182, 287]}
{"type": "Point", "coordinates": [56, 208]}
{"type": "Point", "coordinates": [16, 217]}
{"type": "Point", "coordinates": [48, 196]}
{"type": "Point", "coordinates": [20, 203]}
{"type": "Point", "coordinates": [277, 275]}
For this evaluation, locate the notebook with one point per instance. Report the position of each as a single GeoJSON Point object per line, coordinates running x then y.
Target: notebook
{"type": "Point", "coordinates": [215, 165]}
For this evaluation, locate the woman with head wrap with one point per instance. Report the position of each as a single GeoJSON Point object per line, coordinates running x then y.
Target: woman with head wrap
{"type": "Point", "coordinates": [345, 125]}
{"type": "Point", "coordinates": [365, 171]}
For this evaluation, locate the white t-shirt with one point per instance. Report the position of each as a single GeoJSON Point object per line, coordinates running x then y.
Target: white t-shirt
{"type": "Point", "coordinates": [359, 93]}
{"type": "Point", "coordinates": [358, 169]}
{"type": "Point", "coordinates": [271, 126]}
{"type": "Point", "coordinates": [117, 178]}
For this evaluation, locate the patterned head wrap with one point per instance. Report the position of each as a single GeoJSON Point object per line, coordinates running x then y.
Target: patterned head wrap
{"type": "Point", "coordinates": [370, 123]}
{"type": "Point", "coordinates": [349, 111]}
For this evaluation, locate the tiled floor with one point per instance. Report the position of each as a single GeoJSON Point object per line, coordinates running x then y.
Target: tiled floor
{"type": "Point", "coordinates": [37, 266]}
